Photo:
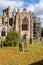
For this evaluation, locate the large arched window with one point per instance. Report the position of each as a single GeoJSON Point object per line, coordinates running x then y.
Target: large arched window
{"type": "Point", "coordinates": [25, 24]}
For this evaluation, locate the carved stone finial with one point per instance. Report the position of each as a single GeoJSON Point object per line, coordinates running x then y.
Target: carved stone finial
{"type": "Point", "coordinates": [30, 12]}
{"type": "Point", "coordinates": [14, 11]}
{"type": "Point", "coordinates": [24, 10]}
{"type": "Point", "coordinates": [9, 7]}
{"type": "Point", "coordinates": [18, 11]}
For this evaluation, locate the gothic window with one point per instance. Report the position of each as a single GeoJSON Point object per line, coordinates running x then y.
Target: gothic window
{"type": "Point", "coordinates": [11, 21]}
{"type": "Point", "coordinates": [3, 33]}
{"type": "Point", "coordinates": [34, 29]}
{"type": "Point", "coordinates": [34, 35]}
{"type": "Point", "coordinates": [6, 23]}
{"type": "Point", "coordinates": [25, 24]}
{"type": "Point", "coordinates": [34, 25]}
{"type": "Point", "coordinates": [2, 22]}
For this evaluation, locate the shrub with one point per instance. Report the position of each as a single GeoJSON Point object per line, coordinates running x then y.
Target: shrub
{"type": "Point", "coordinates": [12, 38]}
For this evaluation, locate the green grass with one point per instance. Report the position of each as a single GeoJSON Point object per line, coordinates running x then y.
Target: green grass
{"type": "Point", "coordinates": [34, 42]}
{"type": "Point", "coordinates": [0, 42]}
{"type": "Point", "coordinates": [12, 55]}
{"type": "Point", "coordinates": [37, 42]}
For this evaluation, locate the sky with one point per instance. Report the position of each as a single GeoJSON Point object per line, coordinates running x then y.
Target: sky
{"type": "Point", "coordinates": [36, 6]}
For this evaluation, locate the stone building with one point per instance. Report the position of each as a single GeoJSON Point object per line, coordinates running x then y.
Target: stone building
{"type": "Point", "coordinates": [26, 24]}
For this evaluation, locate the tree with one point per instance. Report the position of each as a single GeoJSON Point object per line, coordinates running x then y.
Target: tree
{"type": "Point", "coordinates": [42, 32]}
{"type": "Point", "coordinates": [12, 38]}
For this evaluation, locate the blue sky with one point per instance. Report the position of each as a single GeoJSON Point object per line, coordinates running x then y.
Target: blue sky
{"type": "Point", "coordinates": [35, 6]}
{"type": "Point", "coordinates": [32, 1]}
{"type": "Point", "coordinates": [1, 11]}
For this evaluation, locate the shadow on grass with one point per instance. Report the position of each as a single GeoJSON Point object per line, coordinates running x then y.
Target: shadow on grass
{"type": "Point", "coordinates": [38, 63]}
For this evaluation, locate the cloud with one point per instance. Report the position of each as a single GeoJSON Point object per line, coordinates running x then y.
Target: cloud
{"type": "Point", "coordinates": [13, 4]}
{"type": "Point", "coordinates": [36, 8]}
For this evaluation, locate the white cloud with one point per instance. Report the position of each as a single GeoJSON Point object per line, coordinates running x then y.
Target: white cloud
{"type": "Point", "coordinates": [37, 8]}
{"type": "Point", "coordinates": [13, 4]}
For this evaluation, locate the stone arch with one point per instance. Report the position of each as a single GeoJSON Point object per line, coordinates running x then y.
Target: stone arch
{"type": "Point", "coordinates": [25, 16]}
{"type": "Point", "coordinates": [25, 23]}
{"type": "Point", "coordinates": [25, 19]}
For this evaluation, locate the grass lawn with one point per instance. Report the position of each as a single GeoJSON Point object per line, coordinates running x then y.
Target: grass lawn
{"type": "Point", "coordinates": [12, 56]}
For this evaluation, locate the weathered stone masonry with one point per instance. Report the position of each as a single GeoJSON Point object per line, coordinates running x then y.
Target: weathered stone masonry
{"type": "Point", "coordinates": [26, 24]}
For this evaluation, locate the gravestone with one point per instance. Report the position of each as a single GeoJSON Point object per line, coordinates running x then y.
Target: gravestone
{"type": "Point", "coordinates": [25, 44]}
{"type": "Point", "coordinates": [20, 47]}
